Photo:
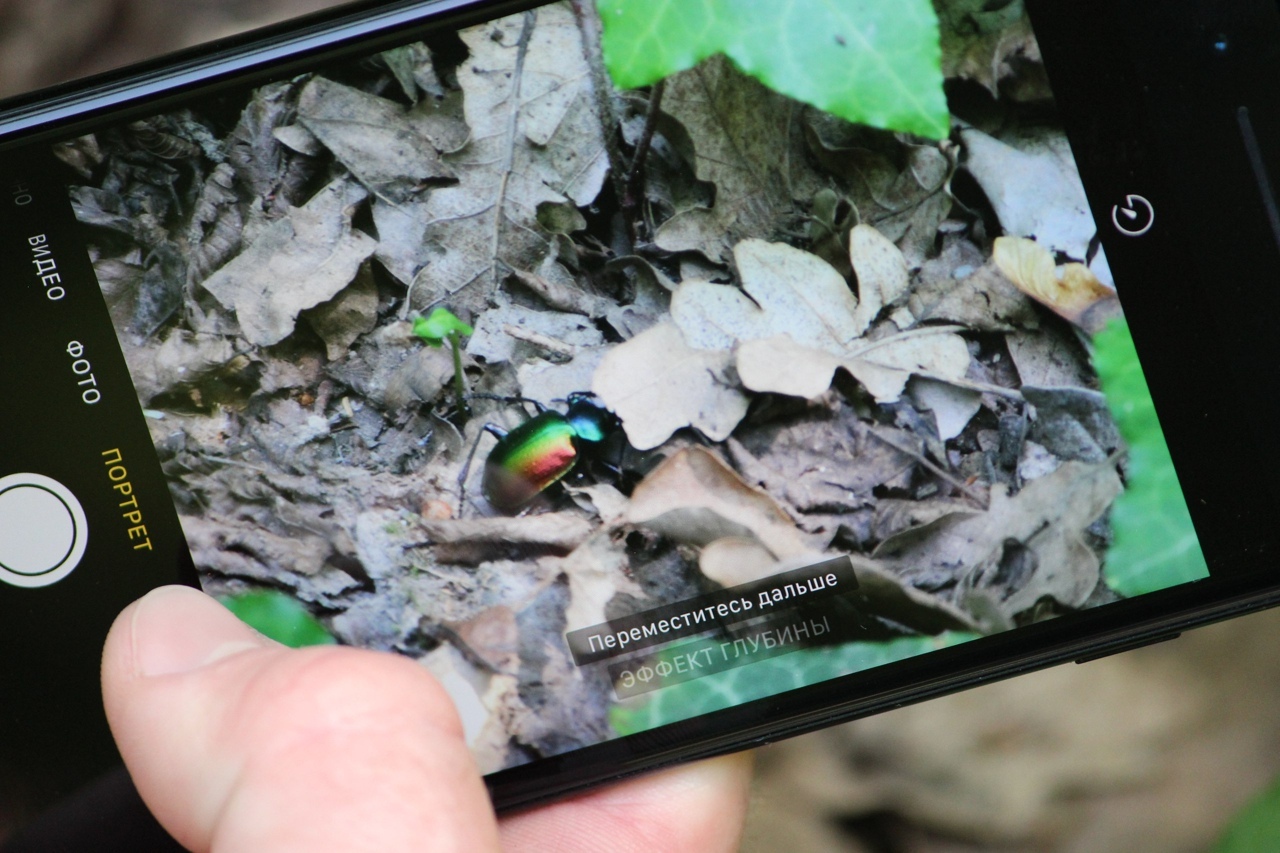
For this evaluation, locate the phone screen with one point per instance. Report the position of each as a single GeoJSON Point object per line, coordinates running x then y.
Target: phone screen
{"type": "Point", "coordinates": [611, 407]}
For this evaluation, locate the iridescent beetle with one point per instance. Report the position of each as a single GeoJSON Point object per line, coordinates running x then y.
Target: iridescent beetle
{"type": "Point", "coordinates": [539, 452]}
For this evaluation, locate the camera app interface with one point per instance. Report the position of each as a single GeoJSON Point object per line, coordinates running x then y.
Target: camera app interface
{"type": "Point", "coordinates": [617, 388]}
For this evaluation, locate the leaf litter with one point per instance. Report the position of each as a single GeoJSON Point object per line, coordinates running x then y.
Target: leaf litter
{"type": "Point", "coordinates": [812, 346]}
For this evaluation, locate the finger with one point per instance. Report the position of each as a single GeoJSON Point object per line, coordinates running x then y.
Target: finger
{"type": "Point", "coordinates": [695, 809]}
{"type": "Point", "coordinates": [237, 743]}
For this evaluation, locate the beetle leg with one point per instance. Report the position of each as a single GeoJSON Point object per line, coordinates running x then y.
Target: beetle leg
{"type": "Point", "coordinates": [493, 430]}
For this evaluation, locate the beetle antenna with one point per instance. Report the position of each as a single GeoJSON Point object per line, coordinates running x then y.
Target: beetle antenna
{"type": "Point", "coordinates": [503, 398]}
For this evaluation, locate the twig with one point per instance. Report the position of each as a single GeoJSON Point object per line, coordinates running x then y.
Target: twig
{"type": "Point", "coordinates": [513, 126]}
{"type": "Point", "coordinates": [546, 342]}
{"type": "Point", "coordinates": [937, 471]}
{"type": "Point", "coordinates": [602, 85]}
{"type": "Point", "coordinates": [633, 198]}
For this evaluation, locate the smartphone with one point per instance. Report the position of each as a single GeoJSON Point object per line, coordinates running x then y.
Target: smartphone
{"type": "Point", "coordinates": [657, 416]}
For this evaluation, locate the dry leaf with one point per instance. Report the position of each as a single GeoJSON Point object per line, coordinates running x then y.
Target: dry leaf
{"type": "Point", "coordinates": [545, 380]}
{"type": "Point", "coordinates": [372, 137]}
{"type": "Point", "coordinates": [882, 274]}
{"type": "Point", "coordinates": [535, 138]}
{"type": "Point", "coordinates": [656, 384]}
{"type": "Point", "coordinates": [277, 177]}
{"type": "Point", "coordinates": [605, 499]}
{"type": "Point", "coordinates": [827, 462]}
{"type": "Point", "coordinates": [784, 291]}
{"type": "Point", "coordinates": [903, 188]}
{"type": "Point", "coordinates": [597, 571]}
{"type": "Point", "coordinates": [183, 357]}
{"type": "Point", "coordinates": [347, 316]}
{"type": "Point", "coordinates": [1050, 357]}
{"type": "Point", "coordinates": [488, 704]}
{"type": "Point", "coordinates": [296, 263]}
{"type": "Point", "coordinates": [1070, 293]}
{"type": "Point", "coordinates": [952, 407]}
{"type": "Point", "coordinates": [494, 343]}
{"type": "Point", "coordinates": [962, 286]}
{"type": "Point", "coordinates": [1043, 524]}
{"type": "Point", "coordinates": [494, 637]}
{"type": "Point", "coordinates": [782, 366]}
{"type": "Point", "coordinates": [695, 499]}
{"type": "Point", "coordinates": [297, 138]}
{"type": "Point", "coordinates": [419, 377]}
{"type": "Point", "coordinates": [992, 45]}
{"type": "Point", "coordinates": [1056, 214]}
{"type": "Point", "coordinates": [735, 560]}
{"type": "Point", "coordinates": [1073, 423]}
{"type": "Point", "coordinates": [565, 295]}
{"type": "Point", "coordinates": [746, 147]}
{"type": "Point", "coordinates": [473, 540]}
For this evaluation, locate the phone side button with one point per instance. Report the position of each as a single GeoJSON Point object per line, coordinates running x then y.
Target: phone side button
{"type": "Point", "coordinates": [1127, 647]}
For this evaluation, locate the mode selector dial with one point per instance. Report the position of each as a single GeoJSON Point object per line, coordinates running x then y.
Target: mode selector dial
{"type": "Point", "coordinates": [43, 531]}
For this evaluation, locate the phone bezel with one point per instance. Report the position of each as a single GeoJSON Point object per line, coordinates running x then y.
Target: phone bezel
{"type": "Point", "coordinates": [1241, 582]}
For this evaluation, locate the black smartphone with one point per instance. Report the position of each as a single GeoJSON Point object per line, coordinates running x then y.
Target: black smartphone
{"type": "Point", "coordinates": [662, 397]}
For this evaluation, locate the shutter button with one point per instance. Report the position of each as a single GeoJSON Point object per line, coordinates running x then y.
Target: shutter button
{"type": "Point", "coordinates": [43, 531]}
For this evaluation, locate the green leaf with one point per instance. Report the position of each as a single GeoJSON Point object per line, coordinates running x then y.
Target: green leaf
{"type": "Point", "coordinates": [280, 617]}
{"type": "Point", "coordinates": [874, 62]}
{"type": "Point", "coordinates": [767, 678]}
{"type": "Point", "coordinates": [437, 328]}
{"type": "Point", "coordinates": [1257, 828]}
{"type": "Point", "coordinates": [1155, 543]}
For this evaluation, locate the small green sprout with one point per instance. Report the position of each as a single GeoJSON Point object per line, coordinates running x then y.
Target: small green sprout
{"type": "Point", "coordinates": [442, 325]}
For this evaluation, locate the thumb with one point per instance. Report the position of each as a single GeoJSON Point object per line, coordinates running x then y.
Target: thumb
{"type": "Point", "coordinates": [237, 743]}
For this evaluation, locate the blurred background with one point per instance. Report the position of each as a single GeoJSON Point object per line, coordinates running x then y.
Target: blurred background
{"type": "Point", "coordinates": [1154, 750]}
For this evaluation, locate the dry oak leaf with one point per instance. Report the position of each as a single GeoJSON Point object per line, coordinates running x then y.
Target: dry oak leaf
{"type": "Point", "coordinates": [1072, 292]}
{"type": "Point", "coordinates": [696, 499]}
{"type": "Point", "coordinates": [656, 384]}
{"type": "Point", "coordinates": [779, 365]}
{"type": "Point", "coordinates": [882, 271]}
{"type": "Point", "coordinates": [296, 263]}
{"type": "Point", "coordinates": [795, 321]}
{"type": "Point", "coordinates": [784, 291]}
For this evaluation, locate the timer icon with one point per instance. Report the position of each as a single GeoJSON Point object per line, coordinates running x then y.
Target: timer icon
{"type": "Point", "coordinates": [1135, 218]}
{"type": "Point", "coordinates": [43, 531]}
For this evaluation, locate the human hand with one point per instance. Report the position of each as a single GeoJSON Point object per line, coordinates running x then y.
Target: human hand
{"type": "Point", "coordinates": [239, 744]}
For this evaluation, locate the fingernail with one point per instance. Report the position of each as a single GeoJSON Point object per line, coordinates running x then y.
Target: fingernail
{"type": "Point", "coordinates": [178, 629]}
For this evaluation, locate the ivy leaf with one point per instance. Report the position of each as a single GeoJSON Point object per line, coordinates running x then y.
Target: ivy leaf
{"type": "Point", "coordinates": [1155, 543]}
{"type": "Point", "coordinates": [437, 328]}
{"type": "Point", "coordinates": [874, 62]}
{"type": "Point", "coordinates": [769, 677]}
{"type": "Point", "coordinates": [280, 617]}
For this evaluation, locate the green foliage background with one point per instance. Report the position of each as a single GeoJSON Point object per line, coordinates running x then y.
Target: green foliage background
{"type": "Point", "coordinates": [1155, 543]}
{"type": "Point", "coordinates": [873, 62]}
{"type": "Point", "coordinates": [1257, 828]}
